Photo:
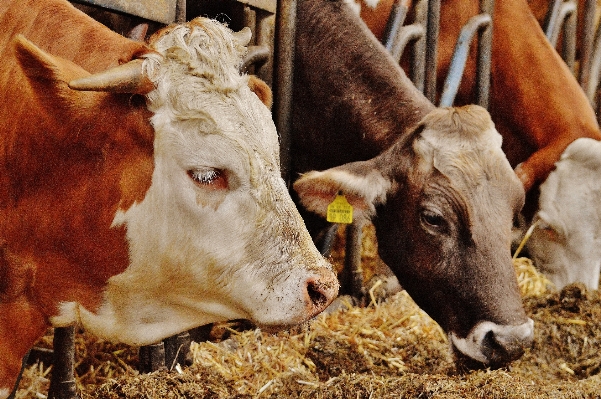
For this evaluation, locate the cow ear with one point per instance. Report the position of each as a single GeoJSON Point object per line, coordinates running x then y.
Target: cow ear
{"type": "Point", "coordinates": [48, 74]}
{"type": "Point", "coordinates": [261, 89]}
{"type": "Point", "coordinates": [364, 187]}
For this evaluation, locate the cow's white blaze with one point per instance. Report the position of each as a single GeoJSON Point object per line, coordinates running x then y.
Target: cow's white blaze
{"type": "Point", "coordinates": [200, 254]}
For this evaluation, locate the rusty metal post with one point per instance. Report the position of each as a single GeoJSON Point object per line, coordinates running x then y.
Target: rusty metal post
{"type": "Point", "coordinates": [285, 40]}
{"type": "Point", "coordinates": [62, 383]}
{"type": "Point", "coordinates": [432, 49]}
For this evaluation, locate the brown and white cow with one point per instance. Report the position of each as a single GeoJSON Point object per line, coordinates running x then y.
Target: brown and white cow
{"type": "Point", "coordinates": [139, 217]}
{"type": "Point", "coordinates": [441, 193]}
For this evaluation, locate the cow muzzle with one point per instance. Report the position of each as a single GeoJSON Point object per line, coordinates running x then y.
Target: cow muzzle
{"type": "Point", "coordinates": [492, 345]}
{"type": "Point", "coordinates": [321, 290]}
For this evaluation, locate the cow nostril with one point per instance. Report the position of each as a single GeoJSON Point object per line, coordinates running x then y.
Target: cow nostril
{"type": "Point", "coordinates": [315, 289]}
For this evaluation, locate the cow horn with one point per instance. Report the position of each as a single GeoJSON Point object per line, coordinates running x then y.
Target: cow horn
{"type": "Point", "coordinates": [243, 36]}
{"type": "Point", "coordinates": [126, 78]}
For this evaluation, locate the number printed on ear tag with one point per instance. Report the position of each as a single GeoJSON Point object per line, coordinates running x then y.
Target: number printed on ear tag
{"type": "Point", "coordinates": [340, 211]}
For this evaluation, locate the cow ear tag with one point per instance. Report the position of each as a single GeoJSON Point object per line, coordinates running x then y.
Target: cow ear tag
{"type": "Point", "coordinates": [340, 211]}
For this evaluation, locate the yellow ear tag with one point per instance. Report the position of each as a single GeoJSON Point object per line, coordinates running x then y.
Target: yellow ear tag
{"type": "Point", "coordinates": [340, 211]}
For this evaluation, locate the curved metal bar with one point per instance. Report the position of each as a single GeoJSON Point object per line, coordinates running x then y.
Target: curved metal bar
{"type": "Point", "coordinates": [564, 11]}
{"type": "Point", "coordinates": [453, 80]}
{"type": "Point", "coordinates": [394, 24]}
{"type": "Point", "coordinates": [595, 70]}
{"type": "Point", "coordinates": [570, 18]}
{"type": "Point", "coordinates": [406, 34]}
{"type": "Point", "coordinates": [551, 17]}
{"type": "Point", "coordinates": [587, 42]}
{"type": "Point", "coordinates": [255, 55]}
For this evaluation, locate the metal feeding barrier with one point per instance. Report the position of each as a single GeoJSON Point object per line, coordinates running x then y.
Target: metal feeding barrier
{"type": "Point", "coordinates": [562, 15]}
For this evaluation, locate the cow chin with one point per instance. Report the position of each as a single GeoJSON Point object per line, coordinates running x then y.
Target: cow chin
{"type": "Point", "coordinates": [489, 345]}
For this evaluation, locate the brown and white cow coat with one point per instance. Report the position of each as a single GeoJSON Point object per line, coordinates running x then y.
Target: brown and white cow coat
{"type": "Point", "coordinates": [140, 217]}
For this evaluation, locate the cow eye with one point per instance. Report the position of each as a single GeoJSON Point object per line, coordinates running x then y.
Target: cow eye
{"type": "Point", "coordinates": [210, 178]}
{"type": "Point", "coordinates": [432, 219]}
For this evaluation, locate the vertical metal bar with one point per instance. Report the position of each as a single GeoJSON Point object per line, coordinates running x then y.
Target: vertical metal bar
{"type": "Point", "coordinates": [393, 25]}
{"type": "Point", "coordinates": [62, 383]}
{"type": "Point", "coordinates": [432, 49]}
{"type": "Point", "coordinates": [586, 45]}
{"type": "Point", "coordinates": [265, 37]}
{"type": "Point", "coordinates": [595, 71]}
{"type": "Point", "coordinates": [285, 34]}
{"type": "Point", "coordinates": [16, 387]}
{"type": "Point", "coordinates": [352, 261]}
{"type": "Point", "coordinates": [418, 67]}
{"type": "Point", "coordinates": [568, 48]}
{"type": "Point", "coordinates": [180, 11]}
{"type": "Point", "coordinates": [152, 358]}
{"type": "Point", "coordinates": [484, 54]}
{"type": "Point", "coordinates": [177, 349]}
{"type": "Point", "coordinates": [551, 17]}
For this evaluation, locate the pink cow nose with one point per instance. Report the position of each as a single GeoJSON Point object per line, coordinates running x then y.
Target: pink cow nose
{"type": "Point", "coordinates": [322, 289]}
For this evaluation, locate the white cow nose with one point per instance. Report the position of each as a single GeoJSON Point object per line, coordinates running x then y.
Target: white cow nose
{"type": "Point", "coordinates": [322, 289]}
{"type": "Point", "coordinates": [495, 345]}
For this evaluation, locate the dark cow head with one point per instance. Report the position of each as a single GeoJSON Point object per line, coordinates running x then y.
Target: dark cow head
{"type": "Point", "coordinates": [444, 197]}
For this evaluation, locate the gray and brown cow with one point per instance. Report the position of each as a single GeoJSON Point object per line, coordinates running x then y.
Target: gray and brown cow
{"type": "Point", "coordinates": [441, 193]}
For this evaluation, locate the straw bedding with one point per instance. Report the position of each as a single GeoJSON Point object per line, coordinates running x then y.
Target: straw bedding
{"type": "Point", "coordinates": [388, 349]}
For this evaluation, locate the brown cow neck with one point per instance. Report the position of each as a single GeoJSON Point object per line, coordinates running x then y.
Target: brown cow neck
{"type": "Point", "coordinates": [352, 100]}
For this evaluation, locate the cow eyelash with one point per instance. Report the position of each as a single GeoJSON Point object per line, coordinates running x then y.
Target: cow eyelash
{"type": "Point", "coordinates": [432, 219]}
{"type": "Point", "coordinates": [208, 178]}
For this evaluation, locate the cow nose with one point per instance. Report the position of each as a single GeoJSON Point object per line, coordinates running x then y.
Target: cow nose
{"type": "Point", "coordinates": [322, 289]}
{"type": "Point", "coordinates": [495, 345]}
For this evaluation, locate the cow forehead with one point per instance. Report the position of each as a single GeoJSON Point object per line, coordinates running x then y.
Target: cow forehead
{"type": "Point", "coordinates": [468, 161]}
{"type": "Point", "coordinates": [200, 90]}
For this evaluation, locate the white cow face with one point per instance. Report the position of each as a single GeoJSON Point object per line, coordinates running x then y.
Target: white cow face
{"type": "Point", "coordinates": [566, 243]}
{"type": "Point", "coordinates": [217, 235]}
